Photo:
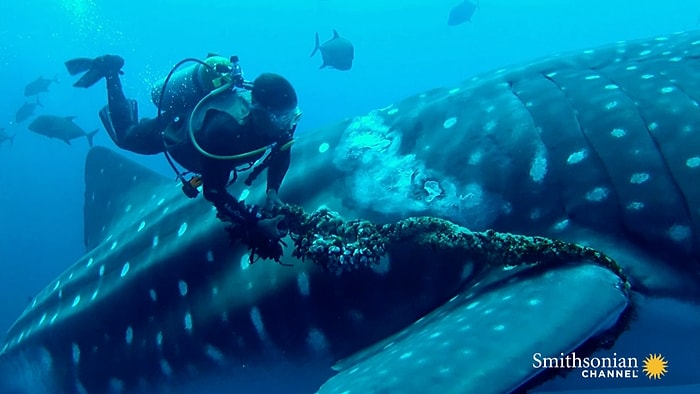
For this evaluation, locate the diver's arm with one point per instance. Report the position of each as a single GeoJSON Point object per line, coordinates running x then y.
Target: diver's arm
{"type": "Point", "coordinates": [277, 170]}
{"type": "Point", "coordinates": [214, 180]}
{"type": "Point", "coordinates": [217, 132]}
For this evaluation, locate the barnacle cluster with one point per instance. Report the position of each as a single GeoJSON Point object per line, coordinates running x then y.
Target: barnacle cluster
{"type": "Point", "coordinates": [336, 244]}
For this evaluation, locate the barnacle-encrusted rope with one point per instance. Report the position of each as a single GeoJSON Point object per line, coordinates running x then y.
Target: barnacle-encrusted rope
{"type": "Point", "coordinates": [340, 245]}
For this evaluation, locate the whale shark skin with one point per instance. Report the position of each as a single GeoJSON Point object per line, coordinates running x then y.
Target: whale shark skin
{"type": "Point", "coordinates": [163, 299]}
{"type": "Point", "coordinates": [598, 146]}
{"type": "Point", "coordinates": [594, 147]}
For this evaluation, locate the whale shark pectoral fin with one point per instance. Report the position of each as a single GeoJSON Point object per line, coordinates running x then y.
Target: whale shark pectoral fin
{"type": "Point", "coordinates": [489, 336]}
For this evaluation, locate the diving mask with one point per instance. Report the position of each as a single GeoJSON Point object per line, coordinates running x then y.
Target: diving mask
{"type": "Point", "coordinates": [285, 120]}
{"type": "Point", "coordinates": [281, 120]}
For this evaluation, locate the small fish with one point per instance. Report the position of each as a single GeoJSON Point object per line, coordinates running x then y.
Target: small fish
{"type": "Point", "coordinates": [39, 85]}
{"type": "Point", "coordinates": [462, 12]}
{"type": "Point", "coordinates": [26, 110]}
{"type": "Point", "coordinates": [6, 137]}
{"type": "Point", "coordinates": [337, 52]}
{"type": "Point", "coordinates": [60, 127]}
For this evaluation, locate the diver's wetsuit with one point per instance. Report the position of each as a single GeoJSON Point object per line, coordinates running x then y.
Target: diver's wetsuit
{"type": "Point", "coordinates": [220, 134]}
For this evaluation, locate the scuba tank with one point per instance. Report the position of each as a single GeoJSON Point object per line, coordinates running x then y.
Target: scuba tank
{"type": "Point", "coordinates": [187, 86]}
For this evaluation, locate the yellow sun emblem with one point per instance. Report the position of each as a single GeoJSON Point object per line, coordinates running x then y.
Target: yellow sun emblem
{"type": "Point", "coordinates": [655, 366]}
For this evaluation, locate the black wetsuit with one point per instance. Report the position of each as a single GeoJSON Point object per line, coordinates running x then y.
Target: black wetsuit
{"type": "Point", "coordinates": [220, 134]}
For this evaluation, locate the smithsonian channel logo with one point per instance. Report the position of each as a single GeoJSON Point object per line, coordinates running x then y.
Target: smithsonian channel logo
{"type": "Point", "coordinates": [654, 366]}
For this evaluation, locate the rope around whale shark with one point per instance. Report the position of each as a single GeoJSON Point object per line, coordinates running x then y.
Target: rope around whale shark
{"type": "Point", "coordinates": [339, 245]}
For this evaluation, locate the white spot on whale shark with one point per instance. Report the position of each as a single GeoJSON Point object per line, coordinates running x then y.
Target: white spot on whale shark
{"type": "Point", "coordinates": [577, 157]}
{"type": "Point", "coordinates": [316, 340]}
{"type": "Point", "coordinates": [76, 353]}
{"type": "Point", "coordinates": [214, 353]}
{"type": "Point", "coordinates": [538, 167]}
{"type": "Point", "coordinates": [125, 269]}
{"type": "Point", "coordinates": [182, 229]}
{"type": "Point", "coordinates": [679, 233]}
{"type": "Point", "coordinates": [129, 335]}
{"type": "Point", "coordinates": [598, 194]}
{"type": "Point", "coordinates": [693, 162]}
{"type": "Point", "coordinates": [639, 177]}
{"type": "Point", "coordinates": [561, 225]}
{"type": "Point", "coordinates": [618, 133]}
{"type": "Point", "coordinates": [256, 319]}
{"type": "Point", "coordinates": [449, 122]}
{"type": "Point", "coordinates": [182, 287]}
{"type": "Point", "coordinates": [635, 205]}
{"type": "Point", "coordinates": [188, 322]}
{"type": "Point", "coordinates": [475, 158]}
{"type": "Point", "coordinates": [165, 367]}
{"type": "Point", "coordinates": [303, 284]}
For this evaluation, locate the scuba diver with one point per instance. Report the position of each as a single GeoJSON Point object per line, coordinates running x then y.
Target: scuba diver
{"type": "Point", "coordinates": [213, 123]}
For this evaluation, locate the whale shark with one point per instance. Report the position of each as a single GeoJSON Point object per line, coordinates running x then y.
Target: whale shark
{"type": "Point", "coordinates": [596, 147]}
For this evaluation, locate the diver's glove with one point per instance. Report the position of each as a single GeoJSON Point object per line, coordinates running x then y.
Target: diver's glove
{"type": "Point", "coordinates": [273, 228]}
{"type": "Point", "coordinates": [261, 234]}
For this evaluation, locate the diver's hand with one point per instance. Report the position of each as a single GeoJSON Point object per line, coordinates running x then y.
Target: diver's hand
{"type": "Point", "coordinates": [270, 227]}
{"type": "Point", "coordinates": [273, 200]}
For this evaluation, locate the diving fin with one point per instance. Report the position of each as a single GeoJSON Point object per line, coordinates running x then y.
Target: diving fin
{"type": "Point", "coordinates": [95, 69]}
{"type": "Point", "coordinates": [89, 78]}
{"type": "Point", "coordinates": [78, 65]}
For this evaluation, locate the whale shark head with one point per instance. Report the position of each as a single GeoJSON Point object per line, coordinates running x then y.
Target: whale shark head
{"type": "Point", "coordinates": [598, 146]}
{"type": "Point", "coordinates": [594, 147]}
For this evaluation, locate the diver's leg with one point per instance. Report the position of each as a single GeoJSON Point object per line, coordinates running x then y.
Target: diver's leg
{"type": "Point", "coordinates": [121, 111]}
{"type": "Point", "coordinates": [120, 116]}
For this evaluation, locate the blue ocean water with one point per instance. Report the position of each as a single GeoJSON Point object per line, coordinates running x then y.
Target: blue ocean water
{"type": "Point", "coordinates": [402, 48]}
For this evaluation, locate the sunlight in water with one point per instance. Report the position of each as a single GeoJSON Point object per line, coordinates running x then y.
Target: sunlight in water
{"type": "Point", "coordinates": [84, 16]}
{"type": "Point", "coordinates": [88, 22]}
{"type": "Point", "coordinates": [79, 8]}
